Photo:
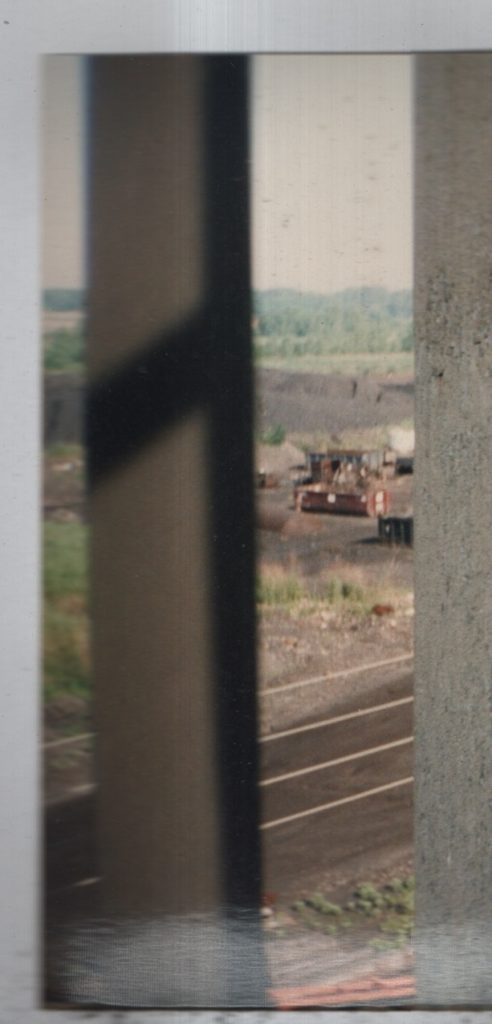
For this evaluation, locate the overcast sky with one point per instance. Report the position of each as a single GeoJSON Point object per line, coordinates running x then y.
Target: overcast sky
{"type": "Point", "coordinates": [62, 167]}
{"type": "Point", "coordinates": [332, 190]}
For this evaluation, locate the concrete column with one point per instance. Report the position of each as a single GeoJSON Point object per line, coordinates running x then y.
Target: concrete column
{"type": "Point", "coordinates": [453, 548]}
{"type": "Point", "coordinates": [151, 610]}
{"type": "Point", "coordinates": [172, 528]}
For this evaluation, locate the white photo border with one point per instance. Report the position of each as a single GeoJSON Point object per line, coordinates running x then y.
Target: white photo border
{"type": "Point", "coordinates": [28, 30]}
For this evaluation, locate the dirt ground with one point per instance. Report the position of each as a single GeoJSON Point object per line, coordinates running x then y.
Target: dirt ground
{"type": "Point", "coordinates": [375, 843]}
{"type": "Point", "coordinates": [317, 547]}
{"type": "Point", "coordinates": [331, 403]}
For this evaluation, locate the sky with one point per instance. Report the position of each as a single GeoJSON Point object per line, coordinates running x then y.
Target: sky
{"type": "Point", "coordinates": [62, 143]}
{"type": "Point", "coordinates": [331, 172]}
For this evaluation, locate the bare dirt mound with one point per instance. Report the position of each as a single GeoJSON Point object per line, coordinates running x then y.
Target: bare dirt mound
{"type": "Point", "coordinates": [279, 459]}
{"type": "Point", "coordinates": [330, 402]}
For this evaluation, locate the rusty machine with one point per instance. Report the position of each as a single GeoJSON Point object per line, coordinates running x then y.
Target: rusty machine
{"type": "Point", "coordinates": [346, 482]}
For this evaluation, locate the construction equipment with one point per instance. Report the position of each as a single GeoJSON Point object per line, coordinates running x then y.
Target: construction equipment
{"type": "Point", "coordinates": [346, 482]}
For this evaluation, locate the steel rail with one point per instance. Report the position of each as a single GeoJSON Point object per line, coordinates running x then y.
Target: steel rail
{"type": "Point", "coordinates": [266, 692]}
{"type": "Point", "coordinates": [270, 737]}
{"type": "Point", "coordinates": [336, 803]}
{"type": "Point", "coordinates": [368, 752]}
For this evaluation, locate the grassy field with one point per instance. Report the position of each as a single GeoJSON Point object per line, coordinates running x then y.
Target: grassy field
{"type": "Point", "coordinates": [353, 364]}
{"type": "Point", "coordinates": [66, 618]}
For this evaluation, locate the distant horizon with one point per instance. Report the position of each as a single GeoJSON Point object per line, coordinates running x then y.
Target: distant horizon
{"type": "Point", "coordinates": [255, 288]}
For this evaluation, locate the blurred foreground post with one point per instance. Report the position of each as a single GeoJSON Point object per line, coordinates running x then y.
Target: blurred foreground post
{"type": "Point", "coordinates": [170, 452]}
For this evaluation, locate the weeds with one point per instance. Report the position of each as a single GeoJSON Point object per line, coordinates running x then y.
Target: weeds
{"type": "Point", "coordinates": [339, 591]}
{"type": "Point", "coordinates": [389, 909]}
{"type": "Point", "coordinates": [277, 588]}
{"type": "Point", "coordinates": [323, 906]}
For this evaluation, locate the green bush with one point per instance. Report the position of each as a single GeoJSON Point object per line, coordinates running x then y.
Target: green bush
{"type": "Point", "coordinates": [389, 909]}
{"type": "Point", "coordinates": [323, 906]}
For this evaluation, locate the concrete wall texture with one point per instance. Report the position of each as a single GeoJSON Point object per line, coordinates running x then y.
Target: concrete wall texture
{"type": "Point", "coordinates": [453, 550]}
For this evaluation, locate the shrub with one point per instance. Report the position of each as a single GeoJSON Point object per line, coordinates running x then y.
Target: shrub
{"type": "Point", "coordinates": [323, 906]}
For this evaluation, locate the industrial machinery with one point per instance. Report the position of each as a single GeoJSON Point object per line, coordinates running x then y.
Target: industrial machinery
{"type": "Point", "coordinates": [346, 482]}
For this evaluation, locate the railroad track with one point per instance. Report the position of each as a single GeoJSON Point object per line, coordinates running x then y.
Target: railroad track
{"type": "Point", "coordinates": [357, 757]}
{"type": "Point", "coordinates": [268, 692]}
{"type": "Point", "coordinates": [322, 765]}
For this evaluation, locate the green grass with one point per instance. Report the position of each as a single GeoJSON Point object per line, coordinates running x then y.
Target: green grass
{"type": "Point", "coordinates": [66, 619]}
{"type": "Point", "coordinates": [353, 364]}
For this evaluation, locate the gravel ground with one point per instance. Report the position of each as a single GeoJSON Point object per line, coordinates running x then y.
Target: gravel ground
{"type": "Point", "coordinates": [331, 403]}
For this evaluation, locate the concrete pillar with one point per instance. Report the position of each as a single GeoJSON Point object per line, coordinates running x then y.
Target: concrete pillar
{"type": "Point", "coordinates": [172, 524]}
{"type": "Point", "coordinates": [453, 549]}
{"type": "Point", "coordinates": [149, 513]}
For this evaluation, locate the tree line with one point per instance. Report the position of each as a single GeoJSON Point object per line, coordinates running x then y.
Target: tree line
{"type": "Point", "coordinates": [63, 300]}
{"type": "Point", "coordinates": [287, 322]}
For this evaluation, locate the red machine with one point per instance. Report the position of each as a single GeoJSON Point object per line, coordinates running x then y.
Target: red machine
{"type": "Point", "coordinates": [346, 483]}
